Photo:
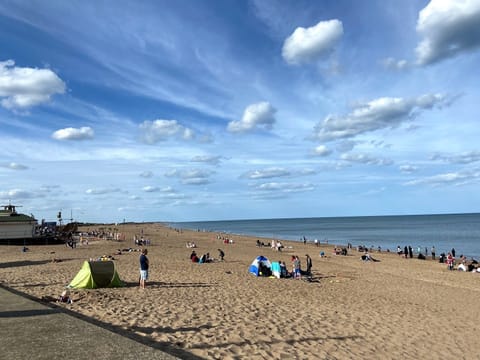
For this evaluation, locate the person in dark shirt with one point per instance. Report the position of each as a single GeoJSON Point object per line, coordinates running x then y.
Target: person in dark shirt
{"type": "Point", "coordinates": [144, 264]}
{"type": "Point", "coordinates": [309, 265]}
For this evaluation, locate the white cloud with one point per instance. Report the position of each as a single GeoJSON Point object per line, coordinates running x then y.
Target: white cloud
{"type": "Point", "coordinates": [191, 174]}
{"type": "Point", "coordinates": [377, 114]}
{"type": "Point", "coordinates": [267, 173]}
{"type": "Point", "coordinates": [408, 168]}
{"type": "Point", "coordinates": [310, 44]}
{"type": "Point", "coordinates": [168, 189]}
{"type": "Point", "coordinates": [101, 191]}
{"type": "Point", "coordinates": [448, 28]}
{"type": "Point", "coordinates": [191, 177]}
{"type": "Point", "coordinates": [15, 166]}
{"type": "Point", "coordinates": [214, 160]}
{"type": "Point", "coordinates": [393, 64]}
{"type": "Point", "coordinates": [150, 188]}
{"type": "Point", "coordinates": [255, 116]}
{"type": "Point", "coordinates": [23, 87]}
{"type": "Point", "coordinates": [284, 187]}
{"type": "Point", "coordinates": [83, 133]}
{"type": "Point", "coordinates": [365, 159]}
{"type": "Point", "coordinates": [322, 150]}
{"type": "Point", "coordinates": [452, 178]}
{"type": "Point", "coordinates": [463, 158]}
{"type": "Point", "coordinates": [195, 181]}
{"type": "Point", "coordinates": [161, 130]}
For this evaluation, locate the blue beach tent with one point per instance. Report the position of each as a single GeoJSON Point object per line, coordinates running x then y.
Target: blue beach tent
{"type": "Point", "coordinates": [256, 264]}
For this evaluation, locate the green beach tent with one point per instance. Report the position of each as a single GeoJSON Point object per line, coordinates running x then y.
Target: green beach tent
{"type": "Point", "coordinates": [96, 274]}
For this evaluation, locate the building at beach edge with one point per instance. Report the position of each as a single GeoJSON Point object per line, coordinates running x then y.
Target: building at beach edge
{"type": "Point", "coordinates": [15, 228]}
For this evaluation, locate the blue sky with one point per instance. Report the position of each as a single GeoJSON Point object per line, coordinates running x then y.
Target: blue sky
{"type": "Point", "coordinates": [209, 110]}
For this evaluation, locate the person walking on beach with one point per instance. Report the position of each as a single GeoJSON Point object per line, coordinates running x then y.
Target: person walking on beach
{"type": "Point", "coordinates": [144, 264]}
{"type": "Point", "coordinates": [433, 252]}
{"type": "Point", "coordinates": [405, 251]}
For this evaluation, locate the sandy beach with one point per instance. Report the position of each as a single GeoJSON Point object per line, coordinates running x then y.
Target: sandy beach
{"type": "Point", "coordinates": [392, 309]}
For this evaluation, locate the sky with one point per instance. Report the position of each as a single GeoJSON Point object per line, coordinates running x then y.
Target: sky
{"type": "Point", "coordinates": [185, 110]}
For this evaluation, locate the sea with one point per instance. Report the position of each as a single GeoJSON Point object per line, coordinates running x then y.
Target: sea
{"type": "Point", "coordinates": [445, 231]}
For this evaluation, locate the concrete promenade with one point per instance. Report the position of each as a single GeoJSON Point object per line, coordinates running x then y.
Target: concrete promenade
{"type": "Point", "coordinates": [30, 329]}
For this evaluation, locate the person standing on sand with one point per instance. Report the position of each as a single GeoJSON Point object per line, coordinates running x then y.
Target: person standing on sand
{"type": "Point", "coordinates": [221, 254]}
{"type": "Point", "coordinates": [309, 265]}
{"type": "Point", "coordinates": [296, 268]}
{"type": "Point", "coordinates": [433, 252]}
{"type": "Point", "coordinates": [144, 264]}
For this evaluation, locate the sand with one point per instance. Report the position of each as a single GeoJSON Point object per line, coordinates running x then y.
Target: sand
{"type": "Point", "coordinates": [392, 309]}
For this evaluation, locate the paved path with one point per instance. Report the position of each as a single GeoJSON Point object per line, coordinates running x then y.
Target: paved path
{"type": "Point", "coordinates": [32, 330]}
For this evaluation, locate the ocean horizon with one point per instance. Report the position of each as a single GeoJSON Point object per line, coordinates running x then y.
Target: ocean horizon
{"type": "Point", "coordinates": [443, 231]}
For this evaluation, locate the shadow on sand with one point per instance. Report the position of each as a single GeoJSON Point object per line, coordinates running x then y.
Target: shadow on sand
{"type": "Point", "coordinates": [154, 284]}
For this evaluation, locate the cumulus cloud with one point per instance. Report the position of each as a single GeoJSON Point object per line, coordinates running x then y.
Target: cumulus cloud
{"type": "Point", "coordinates": [195, 177]}
{"type": "Point", "coordinates": [214, 160]}
{"type": "Point", "coordinates": [322, 150]}
{"type": "Point", "coordinates": [23, 87]}
{"type": "Point", "coordinates": [284, 187]}
{"type": "Point", "coordinates": [14, 166]}
{"type": "Point", "coordinates": [266, 173]}
{"type": "Point", "coordinates": [191, 177]}
{"type": "Point", "coordinates": [259, 115]}
{"type": "Point", "coordinates": [377, 114]}
{"type": "Point", "coordinates": [150, 188]}
{"type": "Point", "coordinates": [101, 191]}
{"type": "Point", "coordinates": [448, 28]}
{"type": "Point", "coordinates": [452, 178]}
{"type": "Point", "coordinates": [309, 44]}
{"type": "Point", "coordinates": [164, 190]}
{"type": "Point", "coordinates": [83, 133]}
{"type": "Point", "coordinates": [155, 131]}
{"type": "Point", "coordinates": [365, 159]}
{"type": "Point", "coordinates": [195, 181]}
{"type": "Point", "coordinates": [463, 158]}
